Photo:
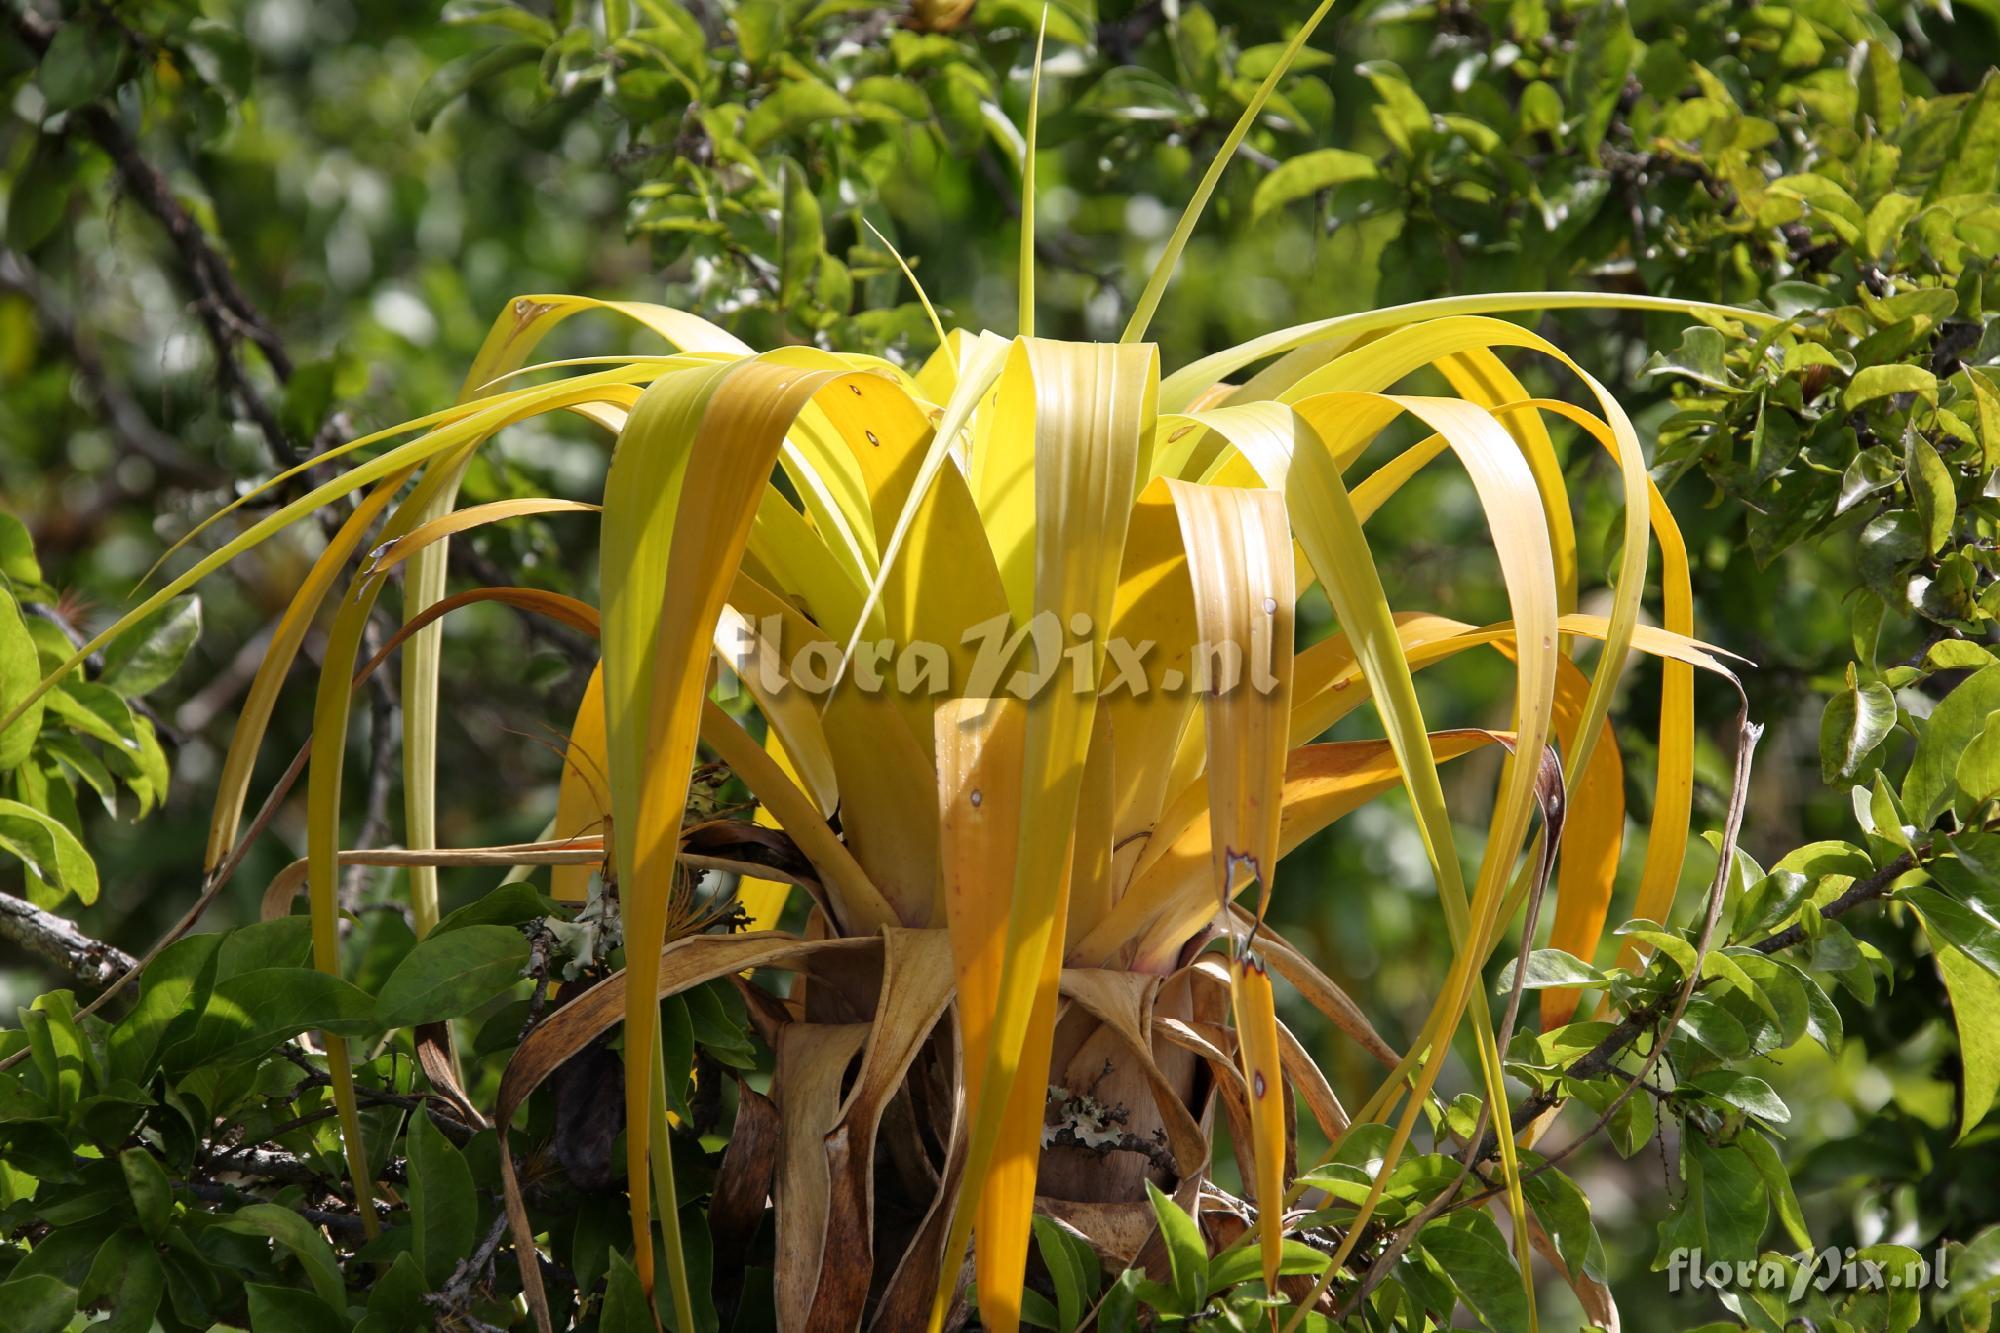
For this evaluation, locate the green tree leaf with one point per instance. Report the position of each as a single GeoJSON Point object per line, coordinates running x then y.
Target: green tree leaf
{"type": "Point", "coordinates": [1564, 1212]}
{"type": "Point", "coordinates": [37, 1303]}
{"type": "Point", "coordinates": [1876, 382]}
{"type": "Point", "coordinates": [1309, 173]}
{"type": "Point", "coordinates": [1975, 149]}
{"type": "Point", "coordinates": [507, 905]}
{"type": "Point", "coordinates": [1067, 1269]}
{"type": "Point", "coordinates": [50, 851]}
{"type": "Point", "coordinates": [1245, 1263]}
{"type": "Point", "coordinates": [1951, 727]}
{"type": "Point", "coordinates": [1977, 775]}
{"type": "Point", "coordinates": [39, 199]}
{"type": "Point", "coordinates": [284, 941]}
{"type": "Point", "coordinates": [17, 553]}
{"type": "Point", "coordinates": [443, 1209]}
{"type": "Point", "coordinates": [1187, 1253]}
{"type": "Point", "coordinates": [1778, 1181]}
{"type": "Point", "coordinates": [1975, 1008]}
{"type": "Point", "coordinates": [1745, 1092]}
{"type": "Point", "coordinates": [449, 975]}
{"type": "Point", "coordinates": [127, 1277]}
{"type": "Point", "coordinates": [396, 1300]}
{"type": "Point", "coordinates": [20, 672]}
{"type": "Point", "coordinates": [147, 658]}
{"type": "Point", "coordinates": [797, 105]}
{"type": "Point", "coordinates": [455, 78]}
{"type": "Point", "coordinates": [1856, 720]}
{"type": "Point", "coordinates": [1480, 1267]}
{"type": "Point", "coordinates": [1727, 1192]}
{"type": "Point", "coordinates": [1975, 1274]}
{"type": "Point", "coordinates": [1605, 54]}
{"type": "Point", "coordinates": [1950, 922]}
{"type": "Point", "coordinates": [1550, 967]}
{"type": "Point", "coordinates": [253, 1011]}
{"type": "Point", "coordinates": [80, 65]}
{"type": "Point", "coordinates": [626, 1309]}
{"type": "Point", "coordinates": [1871, 471]}
{"type": "Point", "coordinates": [152, 1194]}
{"type": "Point", "coordinates": [1933, 489]}
{"type": "Point", "coordinates": [300, 1239]}
{"type": "Point", "coordinates": [801, 237]}
{"type": "Point", "coordinates": [289, 1310]}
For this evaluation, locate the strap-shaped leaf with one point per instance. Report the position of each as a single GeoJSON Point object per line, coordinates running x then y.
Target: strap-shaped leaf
{"type": "Point", "coordinates": [681, 496]}
{"type": "Point", "coordinates": [1080, 413]}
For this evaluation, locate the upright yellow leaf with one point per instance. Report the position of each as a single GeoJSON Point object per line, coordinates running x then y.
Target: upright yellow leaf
{"type": "Point", "coordinates": [1087, 409]}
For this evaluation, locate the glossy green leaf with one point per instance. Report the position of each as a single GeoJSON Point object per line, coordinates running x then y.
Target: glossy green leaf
{"type": "Point", "coordinates": [37, 1303]}
{"type": "Point", "coordinates": [20, 672]}
{"type": "Point", "coordinates": [455, 78]}
{"type": "Point", "coordinates": [626, 1309]}
{"type": "Point", "coordinates": [1549, 967]}
{"type": "Point", "coordinates": [1872, 383]}
{"type": "Point", "coordinates": [151, 1192]}
{"type": "Point", "coordinates": [1951, 727]}
{"type": "Point", "coordinates": [1187, 1253]}
{"type": "Point", "coordinates": [449, 975]}
{"type": "Point", "coordinates": [1481, 1268]}
{"type": "Point", "coordinates": [127, 1278]}
{"type": "Point", "coordinates": [48, 850]}
{"type": "Point", "coordinates": [1564, 1212]}
{"type": "Point", "coordinates": [1745, 1092]}
{"type": "Point", "coordinates": [298, 1238]}
{"type": "Point", "coordinates": [289, 1310]}
{"type": "Point", "coordinates": [1975, 1009]}
{"type": "Point", "coordinates": [508, 905]}
{"type": "Point", "coordinates": [1309, 173]}
{"type": "Point", "coordinates": [444, 1211]}
{"type": "Point", "coordinates": [1726, 1192]}
{"type": "Point", "coordinates": [1934, 491]}
{"type": "Point", "coordinates": [1072, 1267]}
{"type": "Point", "coordinates": [1856, 720]}
{"type": "Point", "coordinates": [251, 1012]}
{"type": "Point", "coordinates": [1952, 923]}
{"type": "Point", "coordinates": [148, 657]}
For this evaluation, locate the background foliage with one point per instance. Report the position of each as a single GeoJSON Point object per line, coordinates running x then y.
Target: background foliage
{"type": "Point", "coordinates": [240, 231]}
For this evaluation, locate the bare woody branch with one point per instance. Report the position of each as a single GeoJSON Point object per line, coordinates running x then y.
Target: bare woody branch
{"type": "Point", "coordinates": [90, 962]}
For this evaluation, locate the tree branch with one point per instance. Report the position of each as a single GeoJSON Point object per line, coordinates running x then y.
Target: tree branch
{"type": "Point", "coordinates": [346, 1225]}
{"type": "Point", "coordinates": [226, 314]}
{"type": "Point", "coordinates": [1085, 1123]}
{"type": "Point", "coordinates": [91, 962]}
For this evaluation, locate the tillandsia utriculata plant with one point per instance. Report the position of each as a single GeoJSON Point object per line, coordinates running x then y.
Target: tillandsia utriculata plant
{"type": "Point", "coordinates": [1049, 863]}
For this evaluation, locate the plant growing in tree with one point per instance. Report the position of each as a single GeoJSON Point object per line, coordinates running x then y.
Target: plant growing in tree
{"type": "Point", "coordinates": [998, 855]}
{"type": "Point", "coordinates": [1058, 856]}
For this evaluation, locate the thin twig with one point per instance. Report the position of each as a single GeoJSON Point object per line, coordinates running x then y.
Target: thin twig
{"type": "Point", "coordinates": [346, 1225]}
{"type": "Point", "coordinates": [472, 1271]}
